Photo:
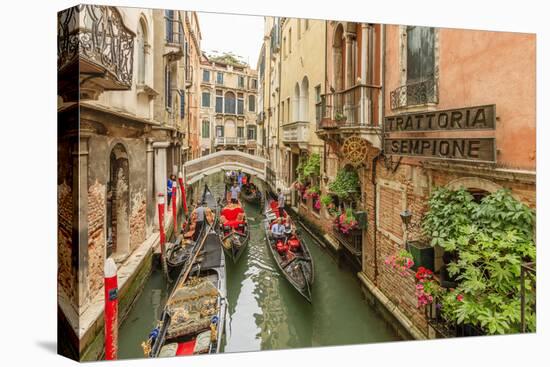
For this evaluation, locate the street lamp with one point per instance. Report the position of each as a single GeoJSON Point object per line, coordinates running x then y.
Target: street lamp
{"type": "Point", "coordinates": [406, 217]}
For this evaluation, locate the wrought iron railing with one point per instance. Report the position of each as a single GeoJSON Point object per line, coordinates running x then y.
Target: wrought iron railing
{"type": "Point", "coordinates": [96, 34]}
{"type": "Point", "coordinates": [415, 94]}
{"type": "Point", "coordinates": [352, 241]}
{"type": "Point", "coordinates": [447, 329]}
{"type": "Point", "coordinates": [353, 107]}
{"type": "Point", "coordinates": [527, 291]}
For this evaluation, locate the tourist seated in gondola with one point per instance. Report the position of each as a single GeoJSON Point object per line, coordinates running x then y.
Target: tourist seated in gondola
{"type": "Point", "coordinates": [279, 230]}
{"type": "Point", "coordinates": [232, 217]}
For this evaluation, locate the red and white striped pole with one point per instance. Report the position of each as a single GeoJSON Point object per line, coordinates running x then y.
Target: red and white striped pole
{"type": "Point", "coordinates": [111, 310]}
{"type": "Point", "coordinates": [183, 197]}
{"type": "Point", "coordinates": [175, 206]}
{"type": "Point", "coordinates": [160, 203]}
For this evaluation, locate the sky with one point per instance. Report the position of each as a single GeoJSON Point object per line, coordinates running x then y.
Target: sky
{"type": "Point", "coordinates": [240, 34]}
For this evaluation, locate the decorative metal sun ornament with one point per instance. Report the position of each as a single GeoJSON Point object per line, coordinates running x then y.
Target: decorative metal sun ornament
{"type": "Point", "coordinates": [355, 150]}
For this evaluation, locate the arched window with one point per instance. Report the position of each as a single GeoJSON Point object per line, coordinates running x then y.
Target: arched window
{"type": "Point", "coordinates": [118, 202]}
{"type": "Point", "coordinates": [304, 100]}
{"type": "Point", "coordinates": [296, 103]}
{"type": "Point", "coordinates": [229, 106]}
{"type": "Point", "coordinates": [142, 44]}
{"type": "Point", "coordinates": [338, 58]}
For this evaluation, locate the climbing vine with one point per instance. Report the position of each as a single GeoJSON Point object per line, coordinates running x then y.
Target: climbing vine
{"type": "Point", "coordinates": [490, 241]}
{"type": "Point", "coordinates": [346, 185]}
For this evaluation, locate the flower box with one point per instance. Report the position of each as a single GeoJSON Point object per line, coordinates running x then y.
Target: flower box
{"type": "Point", "coordinates": [423, 254]}
{"type": "Point", "coordinates": [362, 219]}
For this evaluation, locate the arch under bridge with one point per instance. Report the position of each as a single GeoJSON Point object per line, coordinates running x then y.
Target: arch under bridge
{"type": "Point", "coordinates": [225, 160]}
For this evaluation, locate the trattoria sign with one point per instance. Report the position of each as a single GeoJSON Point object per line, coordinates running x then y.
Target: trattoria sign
{"type": "Point", "coordinates": [464, 148]}
{"type": "Point", "coordinates": [471, 149]}
{"type": "Point", "coordinates": [470, 118]}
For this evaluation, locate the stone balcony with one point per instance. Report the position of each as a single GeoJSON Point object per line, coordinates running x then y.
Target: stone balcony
{"type": "Point", "coordinates": [296, 133]}
{"type": "Point", "coordinates": [229, 141]}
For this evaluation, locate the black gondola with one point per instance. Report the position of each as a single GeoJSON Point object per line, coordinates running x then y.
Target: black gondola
{"type": "Point", "coordinates": [233, 228]}
{"type": "Point", "coordinates": [251, 193]}
{"type": "Point", "coordinates": [180, 252]}
{"type": "Point", "coordinates": [193, 320]}
{"type": "Point", "coordinates": [291, 254]}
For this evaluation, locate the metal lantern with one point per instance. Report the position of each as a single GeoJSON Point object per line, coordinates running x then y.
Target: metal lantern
{"type": "Point", "coordinates": [406, 217]}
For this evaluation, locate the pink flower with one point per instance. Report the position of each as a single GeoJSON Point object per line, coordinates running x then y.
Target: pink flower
{"type": "Point", "coordinates": [459, 298]}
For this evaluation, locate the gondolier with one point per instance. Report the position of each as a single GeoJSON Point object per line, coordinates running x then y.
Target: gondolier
{"type": "Point", "coordinates": [235, 190]}
{"type": "Point", "coordinates": [202, 213]}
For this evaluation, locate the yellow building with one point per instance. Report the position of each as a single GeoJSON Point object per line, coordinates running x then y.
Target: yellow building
{"type": "Point", "coordinates": [302, 62]}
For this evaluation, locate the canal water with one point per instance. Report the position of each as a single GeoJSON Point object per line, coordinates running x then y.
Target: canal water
{"type": "Point", "coordinates": [264, 311]}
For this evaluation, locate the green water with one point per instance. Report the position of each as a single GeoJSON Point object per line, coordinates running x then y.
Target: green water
{"type": "Point", "coordinates": [264, 311]}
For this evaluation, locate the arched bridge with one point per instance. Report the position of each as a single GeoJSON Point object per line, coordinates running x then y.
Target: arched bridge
{"type": "Point", "coordinates": [225, 160]}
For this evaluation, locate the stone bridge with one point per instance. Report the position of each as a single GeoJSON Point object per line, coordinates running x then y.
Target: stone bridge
{"type": "Point", "coordinates": [225, 160]}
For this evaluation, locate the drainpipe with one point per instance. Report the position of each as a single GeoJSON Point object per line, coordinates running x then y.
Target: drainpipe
{"type": "Point", "coordinates": [325, 90]}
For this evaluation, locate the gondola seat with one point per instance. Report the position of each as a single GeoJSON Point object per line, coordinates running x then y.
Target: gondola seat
{"type": "Point", "coordinates": [232, 217]}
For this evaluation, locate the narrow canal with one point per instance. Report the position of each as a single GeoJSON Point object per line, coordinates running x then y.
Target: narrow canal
{"type": "Point", "coordinates": [265, 312]}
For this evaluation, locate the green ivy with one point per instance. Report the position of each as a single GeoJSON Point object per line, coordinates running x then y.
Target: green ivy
{"type": "Point", "coordinates": [490, 239]}
{"type": "Point", "coordinates": [346, 185]}
{"type": "Point", "coordinates": [312, 166]}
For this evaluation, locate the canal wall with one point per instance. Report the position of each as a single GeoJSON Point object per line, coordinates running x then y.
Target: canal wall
{"type": "Point", "coordinates": [132, 275]}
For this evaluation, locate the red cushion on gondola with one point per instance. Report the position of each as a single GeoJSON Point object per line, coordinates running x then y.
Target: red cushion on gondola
{"type": "Point", "coordinates": [186, 349]}
{"type": "Point", "coordinates": [231, 214]}
{"type": "Point", "coordinates": [233, 223]}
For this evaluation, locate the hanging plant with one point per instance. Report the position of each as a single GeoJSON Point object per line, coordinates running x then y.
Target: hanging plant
{"type": "Point", "coordinates": [346, 185]}
{"type": "Point", "coordinates": [312, 166]}
{"type": "Point", "coordinates": [402, 261]}
{"type": "Point", "coordinates": [491, 239]}
{"type": "Point", "coordinates": [326, 200]}
{"type": "Point", "coordinates": [347, 221]}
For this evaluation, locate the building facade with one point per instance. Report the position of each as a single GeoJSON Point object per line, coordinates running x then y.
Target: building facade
{"type": "Point", "coordinates": [122, 131]}
{"type": "Point", "coordinates": [229, 97]}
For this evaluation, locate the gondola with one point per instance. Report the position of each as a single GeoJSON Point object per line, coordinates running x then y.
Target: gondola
{"type": "Point", "coordinates": [179, 252]}
{"type": "Point", "coordinates": [193, 320]}
{"type": "Point", "coordinates": [233, 228]}
{"type": "Point", "coordinates": [251, 193]}
{"type": "Point", "coordinates": [291, 255]}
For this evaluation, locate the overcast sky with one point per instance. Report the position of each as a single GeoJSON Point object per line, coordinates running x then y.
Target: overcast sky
{"type": "Point", "coordinates": [240, 34]}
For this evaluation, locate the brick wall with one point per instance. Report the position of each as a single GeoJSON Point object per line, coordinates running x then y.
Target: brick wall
{"type": "Point", "coordinates": [96, 236]}
{"type": "Point", "coordinates": [66, 272]}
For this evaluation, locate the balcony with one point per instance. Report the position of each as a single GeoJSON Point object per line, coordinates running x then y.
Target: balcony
{"type": "Point", "coordinates": [229, 141]}
{"type": "Point", "coordinates": [95, 52]}
{"type": "Point", "coordinates": [351, 111]}
{"type": "Point", "coordinates": [352, 242]}
{"type": "Point", "coordinates": [175, 40]}
{"type": "Point", "coordinates": [296, 133]}
{"type": "Point", "coordinates": [188, 76]}
{"type": "Point", "coordinates": [415, 94]}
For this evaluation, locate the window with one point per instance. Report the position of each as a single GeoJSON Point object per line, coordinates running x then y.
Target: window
{"type": "Point", "coordinates": [206, 99]}
{"type": "Point", "coordinates": [219, 101]}
{"type": "Point", "coordinates": [169, 18]}
{"type": "Point", "coordinates": [318, 94]}
{"type": "Point", "coordinates": [219, 131]}
{"type": "Point", "coordinates": [167, 87]}
{"type": "Point", "coordinates": [206, 76]}
{"type": "Point", "coordinates": [290, 40]}
{"type": "Point", "coordinates": [287, 109]}
{"type": "Point", "coordinates": [205, 129]}
{"type": "Point", "coordinates": [283, 111]}
{"type": "Point", "coordinates": [251, 133]}
{"type": "Point", "coordinates": [219, 78]}
{"type": "Point", "coordinates": [141, 41]}
{"type": "Point", "coordinates": [182, 103]}
{"type": "Point", "coordinates": [254, 84]}
{"type": "Point", "coordinates": [240, 104]}
{"type": "Point", "coordinates": [251, 103]}
{"type": "Point", "coordinates": [241, 81]}
{"type": "Point", "coordinates": [240, 132]}
{"type": "Point", "coordinates": [229, 104]}
{"type": "Point", "coordinates": [420, 54]}
{"type": "Point", "coordinates": [251, 152]}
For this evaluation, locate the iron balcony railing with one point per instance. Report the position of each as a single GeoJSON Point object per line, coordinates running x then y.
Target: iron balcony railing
{"type": "Point", "coordinates": [222, 140]}
{"type": "Point", "coordinates": [353, 107]}
{"type": "Point", "coordinates": [352, 241]}
{"type": "Point", "coordinates": [96, 37]}
{"type": "Point", "coordinates": [415, 94]}
{"type": "Point", "coordinates": [528, 293]}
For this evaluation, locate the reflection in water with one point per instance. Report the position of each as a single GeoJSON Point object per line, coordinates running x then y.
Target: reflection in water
{"type": "Point", "coordinates": [264, 311]}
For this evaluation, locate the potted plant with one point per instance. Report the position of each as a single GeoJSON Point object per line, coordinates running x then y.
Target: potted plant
{"type": "Point", "coordinates": [347, 221]}
{"type": "Point", "coordinates": [423, 254]}
{"type": "Point", "coordinates": [340, 117]}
